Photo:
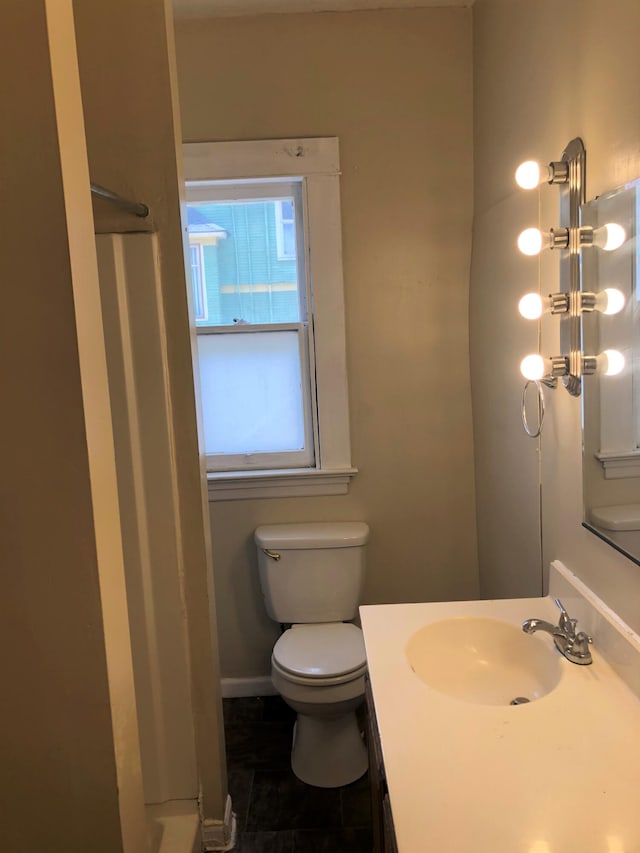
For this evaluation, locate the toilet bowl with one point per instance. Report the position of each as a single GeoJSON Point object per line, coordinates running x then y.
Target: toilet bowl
{"type": "Point", "coordinates": [327, 749]}
{"type": "Point", "coordinates": [312, 576]}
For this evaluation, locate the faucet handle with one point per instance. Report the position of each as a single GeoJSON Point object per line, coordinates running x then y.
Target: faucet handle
{"type": "Point", "coordinates": [579, 650]}
{"type": "Point", "coordinates": [560, 605]}
{"type": "Point", "coordinates": [565, 622]}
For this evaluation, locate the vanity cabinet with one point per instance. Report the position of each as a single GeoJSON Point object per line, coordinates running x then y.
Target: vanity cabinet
{"type": "Point", "coordinates": [438, 744]}
{"type": "Point", "coordinates": [384, 840]}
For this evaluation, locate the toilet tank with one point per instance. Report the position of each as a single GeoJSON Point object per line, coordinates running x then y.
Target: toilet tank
{"type": "Point", "coordinates": [621, 524]}
{"type": "Point", "coordinates": [312, 572]}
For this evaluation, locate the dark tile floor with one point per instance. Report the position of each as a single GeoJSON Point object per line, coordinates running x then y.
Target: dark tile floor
{"type": "Point", "coordinates": [276, 813]}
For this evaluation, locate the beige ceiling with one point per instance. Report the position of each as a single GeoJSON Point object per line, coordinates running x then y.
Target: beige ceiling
{"type": "Point", "coordinates": [214, 8]}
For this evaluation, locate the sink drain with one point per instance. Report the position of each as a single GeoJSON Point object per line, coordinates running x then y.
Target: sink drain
{"type": "Point", "coordinates": [520, 700]}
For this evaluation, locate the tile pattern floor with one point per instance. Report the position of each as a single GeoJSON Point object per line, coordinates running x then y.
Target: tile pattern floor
{"type": "Point", "coordinates": [276, 813]}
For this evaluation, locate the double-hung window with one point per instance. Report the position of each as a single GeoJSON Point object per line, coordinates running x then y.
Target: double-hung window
{"type": "Point", "coordinates": [264, 224]}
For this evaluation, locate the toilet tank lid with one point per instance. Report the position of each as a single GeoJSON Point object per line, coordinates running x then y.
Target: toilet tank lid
{"type": "Point", "coordinates": [621, 517]}
{"type": "Point", "coordinates": [319, 534]}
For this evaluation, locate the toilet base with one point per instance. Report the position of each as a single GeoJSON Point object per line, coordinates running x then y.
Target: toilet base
{"type": "Point", "coordinates": [328, 753]}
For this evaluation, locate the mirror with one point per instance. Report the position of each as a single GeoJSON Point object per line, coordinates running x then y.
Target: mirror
{"type": "Point", "coordinates": [611, 403]}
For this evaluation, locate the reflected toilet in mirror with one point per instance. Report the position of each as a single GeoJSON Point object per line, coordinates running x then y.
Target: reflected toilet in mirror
{"type": "Point", "coordinates": [620, 524]}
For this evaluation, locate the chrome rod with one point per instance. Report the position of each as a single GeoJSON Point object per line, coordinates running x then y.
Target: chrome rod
{"type": "Point", "coordinates": [134, 207]}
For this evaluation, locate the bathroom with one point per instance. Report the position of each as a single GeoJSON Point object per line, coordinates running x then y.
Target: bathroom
{"type": "Point", "coordinates": [433, 109]}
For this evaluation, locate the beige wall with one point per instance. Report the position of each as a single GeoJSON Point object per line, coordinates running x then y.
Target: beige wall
{"type": "Point", "coordinates": [395, 87]}
{"type": "Point", "coordinates": [536, 87]}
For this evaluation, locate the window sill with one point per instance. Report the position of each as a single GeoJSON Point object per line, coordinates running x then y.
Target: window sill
{"type": "Point", "coordinates": [284, 483]}
{"type": "Point", "coordinates": [620, 465]}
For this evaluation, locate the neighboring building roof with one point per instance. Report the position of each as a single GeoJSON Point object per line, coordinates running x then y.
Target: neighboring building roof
{"type": "Point", "coordinates": [198, 223]}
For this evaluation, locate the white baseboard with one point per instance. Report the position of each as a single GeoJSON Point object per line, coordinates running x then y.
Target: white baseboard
{"type": "Point", "coordinates": [260, 685]}
{"type": "Point", "coordinates": [220, 835]}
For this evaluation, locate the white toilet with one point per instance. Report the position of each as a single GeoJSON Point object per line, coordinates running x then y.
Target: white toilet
{"type": "Point", "coordinates": [312, 577]}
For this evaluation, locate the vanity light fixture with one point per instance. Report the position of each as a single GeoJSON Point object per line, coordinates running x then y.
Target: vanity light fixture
{"type": "Point", "coordinates": [610, 362]}
{"type": "Point", "coordinates": [532, 367]}
{"type": "Point", "coordinates": [607, 301]}
{"type": "Point", "coordinates": [536, 368]}
{"type": "Point", "coordinates": [532, 306]}
{"type": "Point", "coordinates": [531, 174]}
{"type": "Point", "coordinates": [569, 303]}
{"type": "Point", "coordinates": [532, 241]}
{"type": "Point", "coordinates": [608, 237]}
{"type": "Point", "coordinates": [571, 238]}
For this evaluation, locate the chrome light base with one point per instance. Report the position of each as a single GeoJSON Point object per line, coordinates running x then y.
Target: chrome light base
{"type": "Point", "coordinates": [572, 196]}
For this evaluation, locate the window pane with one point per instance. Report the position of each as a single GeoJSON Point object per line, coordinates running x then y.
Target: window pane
{"type": "Point", "coordinates": [252, 392]}
{"type": "Point", "coordinates": [250, 270]}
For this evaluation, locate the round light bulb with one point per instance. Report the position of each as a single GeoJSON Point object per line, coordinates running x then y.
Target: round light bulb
{"type": "Point", "coordinates": [530, 306]}
{"type": "Point", "coordinates": [528, 175]}
{"type": "Point", "coordinates": [615, 236]}
{"type": "Point", "coordinates": [530, 241]}
{"type": "Point", "coordinates": [613, 300]}
{"type": "Point", "coordinates": [613, 362]}
{"type": "Point", "coordinates": [532, 367]}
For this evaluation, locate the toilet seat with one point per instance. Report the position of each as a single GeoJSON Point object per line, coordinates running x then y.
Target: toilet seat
{"type": "Point", "coordinates": [318, 682]}
{"type": "Point", "coordinates": [321, 653]}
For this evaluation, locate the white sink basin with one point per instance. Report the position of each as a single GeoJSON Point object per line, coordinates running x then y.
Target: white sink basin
{"type": "Point", "coordinates": [483, 661]}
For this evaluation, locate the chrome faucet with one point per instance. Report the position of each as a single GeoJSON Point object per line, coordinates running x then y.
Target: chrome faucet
{"type": "Point", "coordinates": [575, 647]}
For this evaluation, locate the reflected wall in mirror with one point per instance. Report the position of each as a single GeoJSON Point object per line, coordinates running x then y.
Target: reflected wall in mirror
{"type": "Point", "coordinates": [611, 403]}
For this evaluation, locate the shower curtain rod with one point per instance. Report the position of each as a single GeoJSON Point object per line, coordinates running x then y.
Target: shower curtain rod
{"type": "Point", "coordinates": [135, 207]}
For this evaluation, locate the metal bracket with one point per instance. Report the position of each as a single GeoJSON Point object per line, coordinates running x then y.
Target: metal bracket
{"type": "Point", "coordinates": [572, 196]}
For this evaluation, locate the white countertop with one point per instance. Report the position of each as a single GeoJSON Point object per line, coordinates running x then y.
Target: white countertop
{"type": "Point", "coordinates": [558, 775]}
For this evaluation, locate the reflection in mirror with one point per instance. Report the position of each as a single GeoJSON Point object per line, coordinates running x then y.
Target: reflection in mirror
{"type": "Point", "coordinates": [611, 406]}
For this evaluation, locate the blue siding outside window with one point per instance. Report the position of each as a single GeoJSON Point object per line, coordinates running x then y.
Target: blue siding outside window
{"type": "Point", "coordinates": [246, 279]}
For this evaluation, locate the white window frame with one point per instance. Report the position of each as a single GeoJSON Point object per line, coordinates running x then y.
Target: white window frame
{"type": "Point", "coordinates": [316, 163]}
{"type": "Point", "coordinates": [269, 460]}
{"type": "Point", "coordinates": [202, 288]}
{"type": "Point", "coordinates": [280, 241]}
